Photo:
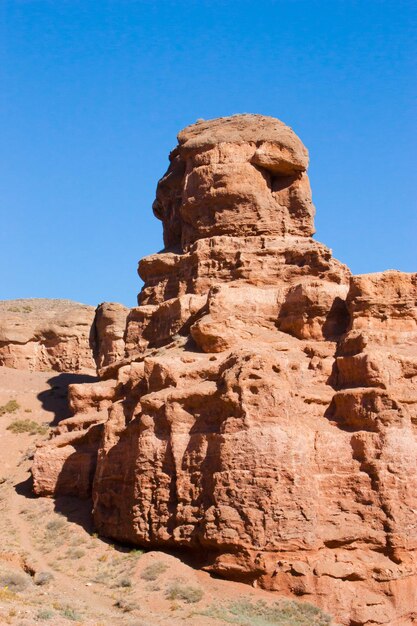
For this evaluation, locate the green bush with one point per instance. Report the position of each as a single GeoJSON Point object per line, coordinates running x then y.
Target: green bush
{"type": "Point", "coordinates": [27, 426]}
{"type": "Point", "coordinates": [10, 407]}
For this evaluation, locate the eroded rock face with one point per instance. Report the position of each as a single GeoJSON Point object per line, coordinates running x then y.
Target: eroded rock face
{"type": "Point", "coordinates": [109, 331]}
{"type": "Point", "coordinates": [242, 175]}
{"type": "Point", "coordinates": [41, 334]}
{"type": "Point", "coordinates": [264, 415]}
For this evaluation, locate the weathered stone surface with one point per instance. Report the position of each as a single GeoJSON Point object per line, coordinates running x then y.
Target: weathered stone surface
{"type": "Point", "coordinates": [110, 326]}
{"type": "Point", "coordinates": [42, 334]}
{"type": "Point", "coordinates": [252, 163]}
{"type": "Point", "coordinates": [264, 415]}
{"type": "Point", "coordinates": [66, 464]}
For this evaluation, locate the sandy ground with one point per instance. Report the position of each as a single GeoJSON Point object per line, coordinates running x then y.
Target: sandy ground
{"type": "Point", "coordinates": [55, 570]}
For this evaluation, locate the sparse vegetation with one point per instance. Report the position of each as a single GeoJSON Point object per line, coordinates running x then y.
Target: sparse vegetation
{"type": "Point", "coordinates": [10, 407]}
{"type": "Point", "coordinates": [70, 613]}
{"type": "Point", "coordinates": [44, 614]}
{"type": "Point", "coordinates": [14, 581]}
{"type": "Point", "coordinates": [75, 553]}
{"type": "Point", "coordinates": [52, 535]}
{"type": "Point", "coordinates": [179, 591]}
{"type": "Point", "coordinates": [27, 426]}
{"type": "Point", "coordinates": [77, 541]}
{"type": "Point", "coordinates": [285, 613]}
{"type": "Point", "coordinates": [98, 569]}
{"type": "Point", "coordinates": [151, 572]}
{"type": "Point", "coordinates": [135, 553]}
{"type": "Point", "coordinates": [55, 525]}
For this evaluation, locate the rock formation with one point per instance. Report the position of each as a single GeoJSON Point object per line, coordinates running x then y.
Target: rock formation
{"type": "Point", "coordinates": [41, 334]}
{"type": "Point", "coordinates": [264, 413]}
{"type": "Point", "coordinates": [109, 333]}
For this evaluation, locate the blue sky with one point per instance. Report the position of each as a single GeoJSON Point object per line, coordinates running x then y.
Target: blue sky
{"type": "Point", "coordinates": [93, 93]}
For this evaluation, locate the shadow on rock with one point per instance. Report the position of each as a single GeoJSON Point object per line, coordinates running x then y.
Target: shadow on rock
{"type": "Point", "coordinates": [55, 399]}
{"type": "Point", "coordinates": [76, 511]}
{"type": "Point", "coordinates": [25, 488]}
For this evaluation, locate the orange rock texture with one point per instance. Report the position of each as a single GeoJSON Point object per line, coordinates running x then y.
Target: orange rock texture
{"type": "Point", "coordinates": [264, 412]}
{"type": "Point", "coordinates": [40, 334]}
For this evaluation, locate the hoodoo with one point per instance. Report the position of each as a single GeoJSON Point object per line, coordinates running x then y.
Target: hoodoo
{"type": "Point", "coordinates": [264, 412]}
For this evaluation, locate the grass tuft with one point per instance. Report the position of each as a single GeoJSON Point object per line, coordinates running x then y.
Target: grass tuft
{"type": "Point", "coordinates": [14, 581]}
{"type": "Point", "coordinates": [77, 553]}
{"type": "Point", "coordinates": [10, 407]}
{"type": "Point", "coordinates": [70, 613]}
{"type": "Point", "coordinates": [151, 572]}
{"type": "Point", "coordinates": [190, 595]}
{"type": "Point", "coordinates": [283, 613]}
{"type": "Point", "coordinates": [55, 525]}
{"type": "Point", "coordinates": [27, 426]}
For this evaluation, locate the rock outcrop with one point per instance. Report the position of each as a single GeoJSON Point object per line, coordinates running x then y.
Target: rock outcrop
{"type": "Point", "coordinates": [41, 334]}
{"type": "Point", "coordinates": [264, 414]}
{"type": "Point", "coordinates": [109, 333]}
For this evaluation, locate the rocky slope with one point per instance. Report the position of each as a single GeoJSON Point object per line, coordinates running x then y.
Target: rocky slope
{"type": "Point", "coordinates": [264, 413]}
{"type": "Point", "coordinates": [40, 334]}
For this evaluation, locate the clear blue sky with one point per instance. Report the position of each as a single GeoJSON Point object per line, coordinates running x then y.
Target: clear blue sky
{"type": "Point", "coordinates": [93, 93]}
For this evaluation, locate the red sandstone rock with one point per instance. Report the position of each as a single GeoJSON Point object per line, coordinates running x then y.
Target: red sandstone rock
{"type": "Point", "coordinates": [252, 161]}
{"type": "Point", "coordinates": [110, 325]}
{"type": "Point", "coordinates": [40, 334]}
{"type": "Point", "coordinates": [264, 415]}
